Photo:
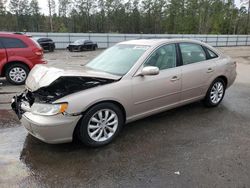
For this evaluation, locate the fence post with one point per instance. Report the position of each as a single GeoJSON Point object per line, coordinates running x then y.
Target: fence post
{"type": "Point", "coordinates": [247, 40]}
{"type": "Point", "coordinates": [237, 40]}
{"type": "Point", "coordinates": [107, 40]}
{"type": "Point", "coordinates": [217, 40]}
{"type": "Point", "coordinates": [227, 41]}
{"type": "Point", "coordinates": [69, 38]}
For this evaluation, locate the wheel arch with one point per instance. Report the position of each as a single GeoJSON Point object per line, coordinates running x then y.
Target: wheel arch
{"type": "Point", "coordinates": [100, 102]}
{"type": "Point", "coordinates": [224, 78]}
{"type": "Point", "coordinates": [6, 65]}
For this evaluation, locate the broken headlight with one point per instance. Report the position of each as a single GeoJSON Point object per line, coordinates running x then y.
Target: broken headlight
{"type": "Point", "coordinates": [48, 109]}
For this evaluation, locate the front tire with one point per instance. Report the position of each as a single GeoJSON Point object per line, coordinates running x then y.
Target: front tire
{"type": "Point", "coordinates": [215, 93]}
{"type": "Point", "coordinates": [100, 125]}
{"type": "Point", "coordinates": [17, 73]}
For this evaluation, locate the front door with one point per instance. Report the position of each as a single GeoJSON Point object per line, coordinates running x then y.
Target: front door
{"type": "Point", "coordinates": [153, 93]}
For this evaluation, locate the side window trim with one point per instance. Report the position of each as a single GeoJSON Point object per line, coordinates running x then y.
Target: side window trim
{"type": "Point", "coordinates": [178, 54]}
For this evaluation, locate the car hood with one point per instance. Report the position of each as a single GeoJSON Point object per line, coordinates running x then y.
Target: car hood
{"type": "Point", "coordinates": [43, 75]}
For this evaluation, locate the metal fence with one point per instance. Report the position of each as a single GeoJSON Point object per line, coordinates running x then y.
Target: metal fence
{"type": "Point", "coordinates": [106, 40]}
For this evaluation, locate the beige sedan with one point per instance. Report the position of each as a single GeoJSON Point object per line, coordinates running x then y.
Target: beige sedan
{"type": "Point", "coordinates": [127, 82]}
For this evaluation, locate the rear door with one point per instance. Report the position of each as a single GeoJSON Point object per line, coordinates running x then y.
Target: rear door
{"type": "Point", "coordinates": [3, 55]}
{"type": "Point", "coordinates": [197, 71]}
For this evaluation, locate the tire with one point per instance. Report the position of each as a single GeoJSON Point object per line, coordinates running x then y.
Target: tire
{"type": "Point", "coordinates": [215, 93]}
{"type": "Point", "coordinates": [94, 48]}
{"type": "Point", "coordinates": [21, 70]}
{"type": "Point", "coordinates": [51, 49]}
{"type": "Point", "coordinates": [94, 123]}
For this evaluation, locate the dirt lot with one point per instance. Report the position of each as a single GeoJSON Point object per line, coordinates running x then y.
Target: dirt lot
{"type": "Point", "coordinates": [191, 146]}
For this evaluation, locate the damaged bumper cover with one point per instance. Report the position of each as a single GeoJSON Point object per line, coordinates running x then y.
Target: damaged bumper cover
{"type": "Point", "coordinates": [50, 129]}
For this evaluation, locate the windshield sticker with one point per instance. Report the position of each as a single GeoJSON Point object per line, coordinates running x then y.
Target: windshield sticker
{"type": "Point", "coordinates": [141, 48]}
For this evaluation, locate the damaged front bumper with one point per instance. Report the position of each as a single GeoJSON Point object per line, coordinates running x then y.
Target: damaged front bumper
{"type": "Point", "coordinates": [50, 129]}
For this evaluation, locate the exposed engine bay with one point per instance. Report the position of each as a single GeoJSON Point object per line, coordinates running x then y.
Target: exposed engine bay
{"type": "Point", "coordinates": [59, 88]}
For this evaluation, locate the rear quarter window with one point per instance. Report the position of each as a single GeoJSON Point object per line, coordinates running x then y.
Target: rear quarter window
{"type": "Point", "coordinates": [211, 54]}
{"type": "Point", "coordinates": [12, 43]}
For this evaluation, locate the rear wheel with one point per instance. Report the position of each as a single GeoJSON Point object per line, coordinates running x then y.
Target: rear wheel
{"type": "Point", "coordinates": [51, 48]}
{"type": "Point", "coordinates": [17, 73]}
{"type": "Point", "coordinates": [215, 93]}
{"type": "Point", "coordinates": [100, 125]}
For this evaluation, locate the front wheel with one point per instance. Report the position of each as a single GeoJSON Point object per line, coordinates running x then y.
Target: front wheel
{"type": "Point", "coordinates": [100, 125]}
{"type": "Point", "coordinates": [215, 93]}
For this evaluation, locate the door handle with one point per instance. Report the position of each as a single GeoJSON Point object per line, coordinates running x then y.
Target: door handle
{"type": "Point", "coordinates": [175, 78]}
{"type": "Point", "coordinates": [209, 70]}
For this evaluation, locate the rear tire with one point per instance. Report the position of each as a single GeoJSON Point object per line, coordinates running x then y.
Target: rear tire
{"type": "Point", "coordinates": [215, 93]}
{"type": "Point", "coordinates": [100, 125]}
{"type": "Point", "coordinates": [17, 73]}
{"type": "Point", "coordinates": [51, 48]}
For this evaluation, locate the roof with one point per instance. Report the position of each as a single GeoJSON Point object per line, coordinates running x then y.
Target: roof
{"type": "Point", "coordinates": [152, 42]}
{"type": "Point", "coordinates": [13, 34]}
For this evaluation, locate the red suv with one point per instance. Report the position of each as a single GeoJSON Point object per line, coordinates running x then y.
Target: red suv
{"type": "Point", "coordinates": [18, 55]}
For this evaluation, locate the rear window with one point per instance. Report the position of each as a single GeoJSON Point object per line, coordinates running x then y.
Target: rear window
{"type": "Point", "coordinates": [44, 40]}
{"type": "Point", "coordinates": [13, 43]}
{"type": "Point", "coordinates": [35, 43]}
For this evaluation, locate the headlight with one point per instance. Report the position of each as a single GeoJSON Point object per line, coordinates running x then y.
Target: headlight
{"type": "Point", "coordinates": [48, 109]}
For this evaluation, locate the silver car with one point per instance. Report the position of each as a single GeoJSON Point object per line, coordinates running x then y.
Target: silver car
{"type": "Point", "coordinates": [127, 82]}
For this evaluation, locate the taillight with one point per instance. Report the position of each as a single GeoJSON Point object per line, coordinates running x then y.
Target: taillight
{"type": "Point", "coordinates": [38, 52]}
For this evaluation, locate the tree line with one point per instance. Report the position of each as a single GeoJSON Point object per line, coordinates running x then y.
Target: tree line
{"type": "Point", "coordinates": [126, 16]}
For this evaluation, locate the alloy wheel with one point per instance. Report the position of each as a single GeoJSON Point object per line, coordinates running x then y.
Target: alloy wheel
{"type": "Point", "coordinates": [102, 125]}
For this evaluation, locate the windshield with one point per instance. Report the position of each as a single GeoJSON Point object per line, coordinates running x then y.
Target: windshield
{"type": "Point", "coordinates": [118, 59]}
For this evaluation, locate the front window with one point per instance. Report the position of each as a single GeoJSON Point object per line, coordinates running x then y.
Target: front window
{"type": "Point", "coordinates": [118, 59]}
{"type": "Point", "coordinates": [163, 58]}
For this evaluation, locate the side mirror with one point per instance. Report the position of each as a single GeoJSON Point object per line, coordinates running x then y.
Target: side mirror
{"type": "Point", "coordinates": [150, 71]}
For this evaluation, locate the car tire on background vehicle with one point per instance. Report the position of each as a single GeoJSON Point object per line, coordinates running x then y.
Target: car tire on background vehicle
{"type": "Point", "coordinates": [215, 93]}
{"type": "Point", "coordinates": [100, 124]}
{"type": "Point", "coordinates": [51, 49]}
{"type": "Point", "coordinates": [17, 73]}
{"type": "Point", "coordinates": [93, 48]}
